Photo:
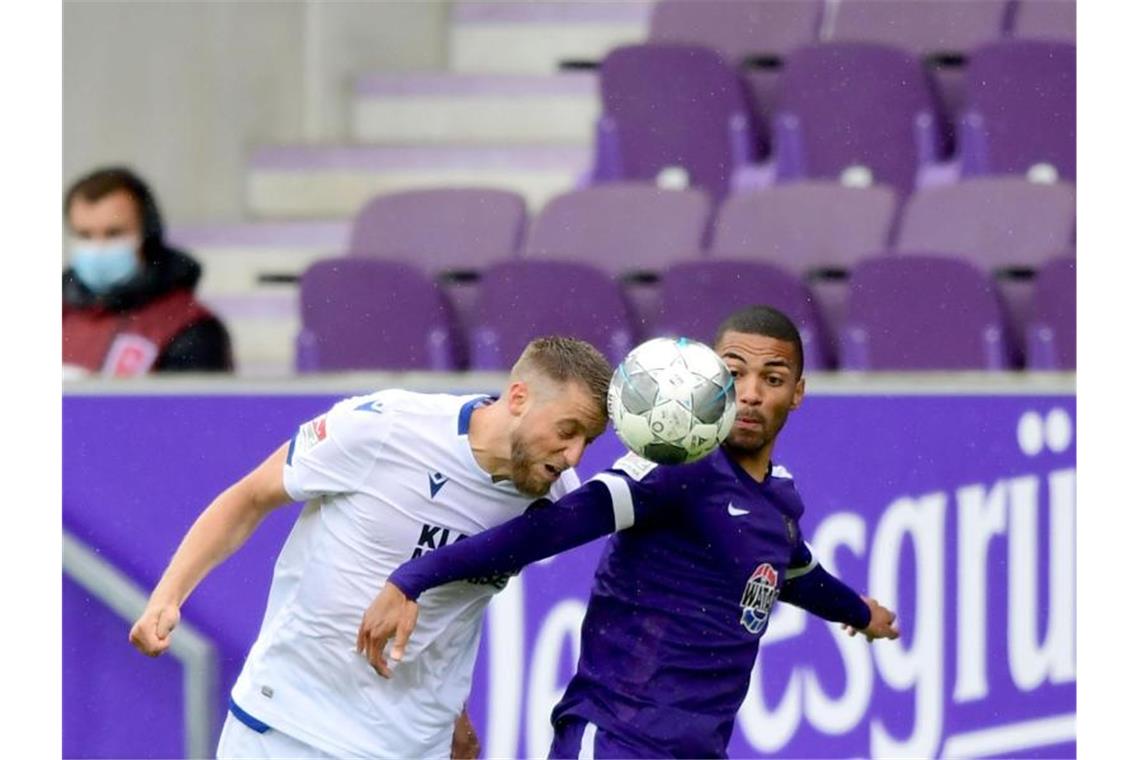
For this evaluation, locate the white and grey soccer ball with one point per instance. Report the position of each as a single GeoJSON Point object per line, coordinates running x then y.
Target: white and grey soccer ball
{"type": "Point", "coordinates": [672, 400]}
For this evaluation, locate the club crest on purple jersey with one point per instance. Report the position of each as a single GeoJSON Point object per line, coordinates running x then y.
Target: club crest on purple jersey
{"type": "Point", "coordinates": [759, 596]}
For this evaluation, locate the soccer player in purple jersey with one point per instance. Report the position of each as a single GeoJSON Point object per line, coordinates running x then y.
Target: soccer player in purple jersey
{"type": "Point", "coordinates": [684, 588]}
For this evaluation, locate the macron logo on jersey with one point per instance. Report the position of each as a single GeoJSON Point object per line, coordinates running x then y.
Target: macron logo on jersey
{"type": "Point", "coordinates": [436, 481]}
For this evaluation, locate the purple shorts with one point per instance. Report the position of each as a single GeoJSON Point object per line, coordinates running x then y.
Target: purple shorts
{"type": "Point", "coordinates": [575, 737]}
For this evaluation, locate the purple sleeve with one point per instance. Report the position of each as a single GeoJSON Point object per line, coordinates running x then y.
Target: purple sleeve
{"type": "Point", "coordinates": [812, 588]}
{"type": "Point", "coordinates": [543, 531]}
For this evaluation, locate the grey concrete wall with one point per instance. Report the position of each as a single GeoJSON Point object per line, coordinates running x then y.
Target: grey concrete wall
{"type": "Point", "coordinates": [181, 90]}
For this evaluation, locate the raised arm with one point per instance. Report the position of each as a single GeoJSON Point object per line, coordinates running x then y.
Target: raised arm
{"type": "Point", "coordinates": [598, 507]}
{"type": "Point", "coordinates": [809, 586]}
{"type": "Point", "coordinates": [218, 532]}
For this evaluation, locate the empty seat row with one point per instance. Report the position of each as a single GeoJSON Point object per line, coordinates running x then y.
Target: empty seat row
{"type": "Point", "coordinates": [863, 112]}
{"type": "Point", "coordinates": [634, 229]}
{"type": "Point", "coordinates": [905, 313]}
{"type": "Point", "coordinates": [750, 30]}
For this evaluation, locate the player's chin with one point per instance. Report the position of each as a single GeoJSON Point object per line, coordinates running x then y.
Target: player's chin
{"type": "Point", "coordinates": [537, 482]}
{"type": "Point", "coordinates": [746, 439]}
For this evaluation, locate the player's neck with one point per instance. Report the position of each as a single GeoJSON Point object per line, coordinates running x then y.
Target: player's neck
{"type": "Point", "coordinates": [489, 440]}
{"type": "Point", "coordinates": [755, 463]}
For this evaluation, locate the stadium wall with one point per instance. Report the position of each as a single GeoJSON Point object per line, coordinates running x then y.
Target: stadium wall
{"type": "Point", "coordinates": [182, 90]}
{"type": "Point", "coordinates": [951, 499]}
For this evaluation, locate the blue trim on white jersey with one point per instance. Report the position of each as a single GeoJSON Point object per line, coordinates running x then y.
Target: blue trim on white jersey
{"type": "Point", "coordinates": [248, 719]}
{"type": "Point", "coordinates": [292, 445]}
{"type": "Point", "coordinates": [466, 410]}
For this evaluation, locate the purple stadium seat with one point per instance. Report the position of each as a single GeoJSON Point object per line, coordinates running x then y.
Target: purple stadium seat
{"type": "Point", "coordinates": [1021, 113]}
{"type": "Point", "coordinates": [445, 230]}
{"type": "Point", "coordinates": [679, 108]}
{"type": "Point", "coordinates": [923, 27]}
{"type": "Point", "coordinates": [756, 33]}
{"type": "Point", "coordinates": [942, 32]}
{"type": "Point", "coordinates": [855, 111]}
{"type": "Point", "coordinates": [1046, 20]}
{"type": "Point", "coordinates": [923, 313]}
{"type": "Point", "coordinates": [524, 299]}
{"type": "Point", "coordinates": [1051, 340]}
{"type": "Point", "coordinates": [996, 222]}
{"type": "Point", "coordinates": [621, 228]}
{"type": "Point", "coordinates": [737, 29]}
{"type": "Point", "coordinates": [367, 314]}
{"type": "Point", "coordinates": [805, 227]}
{"type": "Point", "coordinates": [698, 295]}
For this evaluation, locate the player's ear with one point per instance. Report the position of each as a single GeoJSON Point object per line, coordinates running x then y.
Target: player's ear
{"type": "Point", "coordinates": [518, 394]}
{"type": "Point", "coordinates": [798, 395]}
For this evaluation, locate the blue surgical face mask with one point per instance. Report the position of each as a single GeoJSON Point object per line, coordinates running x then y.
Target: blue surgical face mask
{"type": "Point", "coordinates": [102, 266]}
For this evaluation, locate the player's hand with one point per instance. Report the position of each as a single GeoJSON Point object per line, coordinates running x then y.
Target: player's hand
{"type": "Point", "coordinates": [390, 614]}
{"type": "Point", "coordinates": [151, 633]}
{"type": "Point", "coordinates": [464, 742]}
{"type": "Point", "coordinates": [883, 623]}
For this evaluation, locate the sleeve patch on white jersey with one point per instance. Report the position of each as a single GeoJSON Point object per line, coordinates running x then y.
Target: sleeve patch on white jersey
{"type": "Point", "coordinates": [310, 434]}
{"type": "Point", "coordinates": [634, 466]}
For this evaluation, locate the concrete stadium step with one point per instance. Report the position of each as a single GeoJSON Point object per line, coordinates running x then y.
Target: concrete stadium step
{"type": "Point", "coordinates": [239, 258]}
{"type": "Point", "coordinates": [535, 37]}
{"type": "Point", "coordinates": [316, 181]}
{"type": "Point", "coordinates": [263, 326]}
{"type": "Point", "coordinates": [475, 108]}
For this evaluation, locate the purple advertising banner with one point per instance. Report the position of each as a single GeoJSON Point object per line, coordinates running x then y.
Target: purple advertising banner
{"type": "Point", "coordinates": [956, 511]}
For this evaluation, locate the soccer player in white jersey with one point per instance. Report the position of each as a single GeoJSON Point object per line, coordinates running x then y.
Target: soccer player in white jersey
{"type": "Point", "coordinates": [386, 477]}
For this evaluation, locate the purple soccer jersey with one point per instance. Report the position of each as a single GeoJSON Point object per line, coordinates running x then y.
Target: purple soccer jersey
{"type": "Point", "coordinates": [681, 596]}
{"type": "Point", "coordinates": [680, 601]}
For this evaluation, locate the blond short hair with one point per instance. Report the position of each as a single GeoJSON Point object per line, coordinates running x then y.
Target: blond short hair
{"type": "Point", "coordinates": [564, 360]}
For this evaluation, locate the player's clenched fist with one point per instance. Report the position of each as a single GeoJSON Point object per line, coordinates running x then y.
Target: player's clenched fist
{"type": "Point", "coordinates": [390, 614]}
{"type": "Point", "coordinates": [151, 632]}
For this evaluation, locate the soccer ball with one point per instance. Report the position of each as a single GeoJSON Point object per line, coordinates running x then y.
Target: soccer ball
{"type": "Point", "coordinates": [672, 400]}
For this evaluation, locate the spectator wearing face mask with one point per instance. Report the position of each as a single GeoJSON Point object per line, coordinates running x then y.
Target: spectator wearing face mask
{"type": "Point", "coordinates": [128, 299]}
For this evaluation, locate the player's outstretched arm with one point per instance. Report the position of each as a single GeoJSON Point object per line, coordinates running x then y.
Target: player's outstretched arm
{"type": "Point", "coordinates": [577, 518]}
{"type": "Point", "coordinates": [810, 587]}
{"type": "Point", "coordinates": [221, 528]}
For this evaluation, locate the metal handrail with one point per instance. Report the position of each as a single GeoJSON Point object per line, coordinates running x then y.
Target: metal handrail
{"type": "Point", "coordinates": [190, 647]}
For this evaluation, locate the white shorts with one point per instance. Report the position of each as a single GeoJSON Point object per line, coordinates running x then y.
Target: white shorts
{"type": "Point", "coordinates": [240, 741]}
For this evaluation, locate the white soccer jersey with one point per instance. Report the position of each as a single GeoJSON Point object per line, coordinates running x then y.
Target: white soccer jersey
{"type": "Point", "coordinates": [387, 477]}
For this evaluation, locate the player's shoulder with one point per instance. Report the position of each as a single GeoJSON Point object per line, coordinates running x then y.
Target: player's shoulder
{"type": "Point", "coordinates": [780, 472]}
{"type": "Point", "coordinates": [372, 419]}
{"type": "Point", "coordinates": [396, 402]}
{"type": "Point", "coordinates": [636, 468]}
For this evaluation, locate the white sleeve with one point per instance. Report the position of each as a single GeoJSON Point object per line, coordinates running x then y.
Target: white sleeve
{"type": "Point", "coordinates": [334, 452]}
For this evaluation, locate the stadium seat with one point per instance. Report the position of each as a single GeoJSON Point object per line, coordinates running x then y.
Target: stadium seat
{"type": "Point", "coordinates": [806, 227]}
{"type": "Point", "coordinates": [924, 28]}
{"type": "Point", "coordinates": [1051, 339]}
{"type": "Point", "coordinates": [998, 223]}
{"type": "Point", "coordinates": [442, 231]}
{"type": "Point", "coordinates": [522, 299]}
{"type": "Point", "coordinates": [940, 32]}
{"type": "Point", "coordinates": [737, 29]}
{"type": "Point", "coordinates": [1021, 115]}
{"type": "Point", "coordinates": [696, 296]}
{"type": "Point", "coordinates": [923, 313]}
{"type": "Point", "coordinates": [754, 34]}
{"type": "Point", "coordinates": [672, 114]}
{"type": "Point", "coordinates": [359, 314]}
{"type": "Point", "coordinates": [1046, 20]}
{"type": "Point", "coordinates": [857, 112]}
{"type": "Point", "coordinates": [621, 228]}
